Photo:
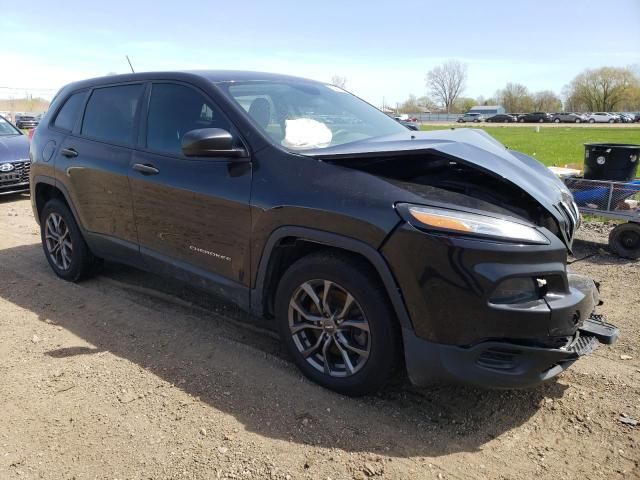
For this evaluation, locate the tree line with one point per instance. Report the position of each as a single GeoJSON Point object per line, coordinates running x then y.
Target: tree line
{"type": "Point", "coordinates": [606, 89]}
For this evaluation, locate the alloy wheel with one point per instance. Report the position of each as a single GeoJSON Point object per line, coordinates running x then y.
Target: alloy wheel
{"type": "Point", "coordinates": [329, 328]}
{"type": "Point", "coordinates": [58, 241]}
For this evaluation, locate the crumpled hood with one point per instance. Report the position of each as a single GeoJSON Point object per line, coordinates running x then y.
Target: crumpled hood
{"type": "Point", "coordinates": [13, 147]}
{"type": "Point", "coordinates": [473, 147]}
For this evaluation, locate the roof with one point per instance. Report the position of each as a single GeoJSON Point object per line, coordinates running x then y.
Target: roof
{"type": "Point", "coordinates": [214, 76]}
{"type": "Point", "coordinates": [486, 107]}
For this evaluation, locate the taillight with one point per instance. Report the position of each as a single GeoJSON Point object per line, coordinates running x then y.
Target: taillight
{"type": "Point", "coordinates": [30, 134]}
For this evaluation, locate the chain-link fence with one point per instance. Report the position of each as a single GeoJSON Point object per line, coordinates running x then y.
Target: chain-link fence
{"type": "Point", "coordinates": [617, 199]}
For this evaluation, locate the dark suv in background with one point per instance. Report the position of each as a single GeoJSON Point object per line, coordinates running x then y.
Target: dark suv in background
{"type": "Point", "coordinates": [368, 243]}
{"type": "Point", "coordinates": [26, 121]}
{"type": "Point", "coordinates": [539, 117]}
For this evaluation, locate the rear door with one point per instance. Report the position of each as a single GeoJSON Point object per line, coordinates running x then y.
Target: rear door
{"type": "Point", "coordinates": [93, 165]}
{"type": "Point", "coordinates": [191, 213]}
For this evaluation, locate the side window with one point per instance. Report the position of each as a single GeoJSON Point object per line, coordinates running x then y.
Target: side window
{"type": "Point", "coordinates": [110, 113]}
{"type": "Point", "coordinates": [175, 110]}
{"type": "Point", "coordinates": [70, 111]}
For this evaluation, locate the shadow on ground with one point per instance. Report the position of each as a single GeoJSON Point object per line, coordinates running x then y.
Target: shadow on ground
{"type": "Point", "coordinates": [231, 368]}
{"type": "Point", "coordinates": [590, 251]}
{"type": "Point", "coordinates": [13, 197]}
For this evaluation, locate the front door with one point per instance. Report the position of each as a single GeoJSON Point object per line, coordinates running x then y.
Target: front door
{"type": "Point", "coordinates": [191, 213]}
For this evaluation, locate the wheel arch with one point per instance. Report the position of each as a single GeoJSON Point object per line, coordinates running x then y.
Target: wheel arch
{"type": "Point", "coordinates": [278, 255]}
{"type": "Point", "coordinates": [46, 188]}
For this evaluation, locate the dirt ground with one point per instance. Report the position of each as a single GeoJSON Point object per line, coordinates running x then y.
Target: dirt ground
{"type": "Point", "coordinates": [129, 376]}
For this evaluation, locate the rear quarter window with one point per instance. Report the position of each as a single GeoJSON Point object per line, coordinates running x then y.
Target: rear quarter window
{"type": "Point", "coordinates": [110, 114]}
{"type": "Point", "coordinates": [70, 111]}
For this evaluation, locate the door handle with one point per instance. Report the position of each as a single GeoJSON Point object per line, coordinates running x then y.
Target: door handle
{"type": "Point", "coordinates": [69, 152]}
{"type": "Point", "coordinates": [145, 168]}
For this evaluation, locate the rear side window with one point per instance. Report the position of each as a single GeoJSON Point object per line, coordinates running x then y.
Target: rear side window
{"type": "Point", "coordinates": [70, 111]}
{"type": "Point", "coordinates": [110, 113]}
{"type": "Point", "coordinates": [175, 110]}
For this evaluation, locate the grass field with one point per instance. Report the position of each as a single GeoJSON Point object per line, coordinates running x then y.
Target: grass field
{"type": "Point", "coordinates": [556, 145]}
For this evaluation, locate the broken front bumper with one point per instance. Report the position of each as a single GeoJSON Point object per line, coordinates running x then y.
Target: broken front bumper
{"type": "Point", "coordinates": [501, 364]}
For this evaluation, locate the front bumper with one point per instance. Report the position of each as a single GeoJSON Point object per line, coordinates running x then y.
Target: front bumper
{"type": "Point", "coordinates": [456, 331]}
{"type": "Point", "coordinates": [500, 364]}
{"type": "Point", "coordinates": [20, 187]}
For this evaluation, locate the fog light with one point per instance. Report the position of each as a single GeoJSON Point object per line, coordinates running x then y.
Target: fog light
{"type": "Point", "coordinates": [515, 290]}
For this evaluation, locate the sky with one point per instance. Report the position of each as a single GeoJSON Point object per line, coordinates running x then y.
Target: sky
{"type": "Point", "coordinates": [383, 48]}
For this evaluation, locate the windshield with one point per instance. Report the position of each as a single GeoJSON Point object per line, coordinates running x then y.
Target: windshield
{"type": "Point", "coordinates": [7, 129]}
{"type": "Point", "coordinates": [304, 115]}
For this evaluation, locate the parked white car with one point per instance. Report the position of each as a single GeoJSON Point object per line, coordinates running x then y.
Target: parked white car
{"type": "Point", "coordinates": [601, 117]}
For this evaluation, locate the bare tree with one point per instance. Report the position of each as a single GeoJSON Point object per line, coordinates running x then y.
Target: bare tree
{"type": "Point", "coordinates": [339, 81]}
{"type": "Point", "coordinates": [547, 101]}
{"type": "Point", "coordinates": [446, 82]}
{"type": "Point", "coordinates": [602, 89]}
{"type": "Point", "coordinates": [515, 98]}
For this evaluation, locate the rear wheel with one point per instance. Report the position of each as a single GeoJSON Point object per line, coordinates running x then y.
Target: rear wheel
{"type": "Point", "coordinates": [624, 240]}
{"type": "Point", "coordinates": [557, 120]}
{"type": "Point", "coordinates": [577, 120]}
{"type": "Point", "coordinates": [337, 324]}
{"type": "Point", "coordinates": [63, 244]}
{"type": "Point", "coordinates": [521, 120]}
{"type": "Point", "coordinates": [591, 120]}
{"type": "Point", "coordinates": [611, 120]}
{"type": "Point", "coordinates": [541, 120]}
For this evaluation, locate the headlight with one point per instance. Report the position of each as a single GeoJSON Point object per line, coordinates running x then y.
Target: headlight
{"type": "Point", "coordinates": [441, 219]}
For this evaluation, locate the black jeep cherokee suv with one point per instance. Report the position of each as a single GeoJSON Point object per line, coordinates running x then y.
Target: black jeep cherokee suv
{"type": "Point", "coordinates": [369, 244]}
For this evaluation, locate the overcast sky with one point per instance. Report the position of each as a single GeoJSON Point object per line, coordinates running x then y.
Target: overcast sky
{"type": "Point", "coordinates": [384, 48]}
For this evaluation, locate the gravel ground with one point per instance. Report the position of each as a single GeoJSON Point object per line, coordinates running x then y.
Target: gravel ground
{"type": "Point", "coordinates": [131, 376]}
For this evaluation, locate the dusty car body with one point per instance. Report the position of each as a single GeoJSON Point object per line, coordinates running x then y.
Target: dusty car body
{"type": "Point", "coordinates": [461, 243]}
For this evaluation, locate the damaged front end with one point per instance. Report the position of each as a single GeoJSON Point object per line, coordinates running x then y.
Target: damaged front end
{"type": "Point", "coordinates": [480, 258]}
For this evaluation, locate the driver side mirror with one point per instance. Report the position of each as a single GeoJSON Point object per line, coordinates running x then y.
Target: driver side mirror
{"type": "Point", "coordinates": [211, 142]}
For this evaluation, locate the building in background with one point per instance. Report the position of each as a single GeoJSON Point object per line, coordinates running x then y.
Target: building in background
{"type": "Point", "coordinates": [487, 109]}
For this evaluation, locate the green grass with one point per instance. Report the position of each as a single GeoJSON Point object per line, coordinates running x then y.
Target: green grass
{"type": "Point", "coordinates": [558, 146]}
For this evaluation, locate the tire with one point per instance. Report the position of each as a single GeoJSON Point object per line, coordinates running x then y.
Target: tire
{"type": "Point", "coordinates": [521, 120]}
{"type": "Point", "coordinates": [541, 120]}
{"type": "Point", "coordinates": [611, 120]}
{"type": "Point", "coordinates": [624, 240]}
{"type": "Point", "coordinates": [591, 120]}
{"type": "Point", "coordinates": [557, 120]}
{"type": "Point", "coordinates": [78, 263]}
{"type": "Point", "coordinates": [578, 120]}
{"type": "Point", "coordinates": [361, 374]}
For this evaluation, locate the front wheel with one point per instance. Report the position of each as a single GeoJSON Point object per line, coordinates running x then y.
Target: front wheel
{"type": "Point", "coordinates": [63, 244]}
{"type": "Point", "coordinates": [337, 324]}
{"type": "Point", "coordinates": [592, 120]}
{"type": "Point", "coordinates": [557, 120]}
{"type": "Point", "coordinates": [521, 120]}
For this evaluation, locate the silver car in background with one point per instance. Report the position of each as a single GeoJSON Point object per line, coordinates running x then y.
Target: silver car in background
{"type": "Point", "coordinates": [471, 117]}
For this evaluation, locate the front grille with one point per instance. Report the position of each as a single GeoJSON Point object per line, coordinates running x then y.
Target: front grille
{"type": "Point", "coordinates": [570, 216]}
{"type": "Point", "coordinates": [19, 174]}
